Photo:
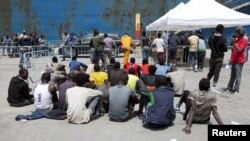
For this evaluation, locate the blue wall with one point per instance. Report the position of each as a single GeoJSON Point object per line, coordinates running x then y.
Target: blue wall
{"type": "Point", "coordinates": [52, 17]}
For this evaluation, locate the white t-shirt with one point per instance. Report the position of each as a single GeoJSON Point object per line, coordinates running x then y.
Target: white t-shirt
{"type": "Point", "coordinates": [90, 68]}
{"type": "Point", "coordinates": [178, 80]}
{"type": "Point", "coordinates": [42, 96]}
{"type": "Point", "coordinates": [160, 44]}
{"type": "Point", "coordinates": [76, 99]}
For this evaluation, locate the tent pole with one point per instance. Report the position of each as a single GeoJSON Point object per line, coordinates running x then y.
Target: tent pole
{"type": "Point", "coordinates": [167, 44]}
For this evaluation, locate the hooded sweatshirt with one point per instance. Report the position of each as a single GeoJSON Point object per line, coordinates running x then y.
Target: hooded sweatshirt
{"type": "Point", "coordinates": [18, 90]}
{"type": "Point", "coordinates": [218, 45]}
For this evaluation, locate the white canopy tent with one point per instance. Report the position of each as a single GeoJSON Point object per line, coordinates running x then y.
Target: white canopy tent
{"type": "Point", "coordinates": [155, 25]}
{"type": "Point", "coordinates": [203, 14]}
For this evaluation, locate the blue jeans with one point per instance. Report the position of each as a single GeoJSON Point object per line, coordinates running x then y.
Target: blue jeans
{"type": "Point", "coordinates": [201, 59]}
{"type": "Point", "coordinates": [64, 51]}
{"type": "Point", "coordinates": [145, 52]}
{"type": "Point", "coordinates": [192, 56]}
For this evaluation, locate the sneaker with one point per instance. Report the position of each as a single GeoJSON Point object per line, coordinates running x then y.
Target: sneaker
{"type": "Point", "coordinates": [213, 89]}
{"type": "Point", "coordinates": [177, 108]}
{"type": "Point", "coordinates": [235, 92]}
{"type": "Point", "coordinates": [228, 90]}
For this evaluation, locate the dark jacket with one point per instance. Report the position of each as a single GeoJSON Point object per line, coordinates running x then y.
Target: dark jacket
{"type": "Point", "coordinates": [162, 112]}
{"type": "Point", "coordinates": [18, 90]}
{"type": "Point", "coordinates": [218, 45]}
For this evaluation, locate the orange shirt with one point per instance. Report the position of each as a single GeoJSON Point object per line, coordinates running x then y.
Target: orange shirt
{"type": "Point", "coordinates": [126, 42]}
{"type": "Point", "coordinates": [144, 69]}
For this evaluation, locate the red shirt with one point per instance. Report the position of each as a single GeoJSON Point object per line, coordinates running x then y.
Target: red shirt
{"type": "Point", "coordinates": [144, 69]}
{"type": "Point", "coordinates": [135, 66]}
{"type": "Point", "coordinates": [238, 57]}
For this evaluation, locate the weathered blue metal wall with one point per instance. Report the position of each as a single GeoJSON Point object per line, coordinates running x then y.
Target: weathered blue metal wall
{"type": "Point", "coordinates": [52, 17]}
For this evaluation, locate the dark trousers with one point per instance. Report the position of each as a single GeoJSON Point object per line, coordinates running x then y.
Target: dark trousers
{"type": "Point", "coordinates": [214, 71]}
{"type": "Point", "coordinates": [235, 79]}
{"type": "Point", "coordinates": [24, 103]}
{"type": "Point", "coordinates": [185, 54]}
{"type": "Point", "coordinates": [184, 98]}
{"type": "Point", "coordinates": [99, 55]}
{"type": "Point", "coordinates": [201, 59]}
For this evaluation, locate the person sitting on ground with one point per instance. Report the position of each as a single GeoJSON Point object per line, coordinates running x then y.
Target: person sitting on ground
{"type": "Point", "coordinates": [45, 94]}
{"type": "Point", "coordinates": [115, 74]}
{"type": "Point", "coordinates": [121, 100]}
{"type": "Point", "coordinates": [132, 65]}
{"type": "Point", "coordinates": [98, 77]}
{"type": "Point", "coordinates": [53, 66]}
{"type": "Point", "coordinates": [91, 66]}
{"type": "Point", "coordinates": [110, 67]}
{"type": "Point", "coordinates": [75, 62]}
{"type": "Point", "coordinates": [59, 76]}
{"type": "Point", "coordinates": [162, 69]}
{"type": "Point", "coordinates": [177, 79]}
{"type": "Point", "coordinates": [62, 91]}
{"type": "Point", "coordinates": [203, 102]}
{"type": "Point", "coordinates": [82, 102]}
{"type": "Point", "coordinates": [18, 92]}
{"type": "Point", "coordinates": [149, 81]}
{"type": "Point", "coordinates": [144, 67]}
{"type": "Point", "coordinates": [162, 113]}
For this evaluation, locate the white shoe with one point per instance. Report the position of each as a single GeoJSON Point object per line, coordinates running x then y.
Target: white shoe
{"type": "Point", "coordinates": [213, 89]}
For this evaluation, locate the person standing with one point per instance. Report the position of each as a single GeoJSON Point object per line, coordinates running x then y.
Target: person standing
{"type": "Point", "coordinates": [201, 52]}
{"type": "Point", "coordinates": [126, 43]}
{"type": "Point", "coordinates": [96, 43]}
{"type": "Point", "coordinates": [160, 45]}
{"type": "Point", "coordinates": [237, 60]}
{"type": "Point", "coordinates": [145, 45]}
{"type": "Point", "coordinates": [172, 48]}
{"type": "Point", "coordinates": [108, 46]}
{"type": "Point", "coordinates": [218, 45]}
{"type": "Point", "coordinates": [193, 42]}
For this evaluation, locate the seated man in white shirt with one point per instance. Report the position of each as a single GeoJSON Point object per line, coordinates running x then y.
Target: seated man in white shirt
{"type": "Point", "coordinates": [81, 101]}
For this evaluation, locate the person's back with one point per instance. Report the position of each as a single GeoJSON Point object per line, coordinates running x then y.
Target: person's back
{"type": "Point", "coordinates": [178, 80]}
{"type": "Point", "coordinates": [159, 43]}
{"type": "Point", "coordinates": [217, 43]}
{"type": "Point", "coordinates": [144, 69]}
{"type": "Point", "coordinates": [126, 42]}
{"type": "Point", "coordinates": [162, 113]}
{"type": "Point", "coordinates": [42, 96]}
{"type": "Point", "coordinates": [162, 70]}
{"type": "Point", "coordinates": [119, 96]}
{"type": "Point", "coordinates": [62, 91]}
{"type": "Point", "coordinates": [108, 43]}
{"type": "Point", "coordinates": [96, 40]}
{"type": "Point", "coordinates": [121, 100]}
{"type": "Point", "coordinates": [193, 42]}
{"type": "Point", "coordinates": [98, 77]}
{"type": "Point", "coordinates": [204, 101]}
{"type": "Point", "coordinates": [132, 80]}
{"type": "Point", "coordinates": [18, 91]}
{"type": "Point", "coordinates": [77, 97]}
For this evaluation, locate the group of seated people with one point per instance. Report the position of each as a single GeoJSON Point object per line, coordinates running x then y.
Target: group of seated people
{"type": "Point", "coordinates": [89, 92]}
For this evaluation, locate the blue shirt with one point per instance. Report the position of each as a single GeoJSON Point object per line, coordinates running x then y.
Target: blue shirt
{"type": "Point", "coordinates": [73, 63]}
{"type": "Point", "coordinates": [162, 70]}
{"type": "Point", "coordinates": [162, 112]}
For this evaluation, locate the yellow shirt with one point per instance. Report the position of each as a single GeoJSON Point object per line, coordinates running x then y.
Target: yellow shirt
{"type": "Point", "coordinates": [132, 79]}
{"type": "Point", "coordinates": [98, 78]}
{"type": "Point", "coordinates": [126, 42]}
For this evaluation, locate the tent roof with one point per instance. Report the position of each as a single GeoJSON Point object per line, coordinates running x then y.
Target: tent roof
{"type": "Point", "coordinates": [155, 24]}
{"type": "Point", "coordinates": [197, 14]}
{"type": "Point", "coordinates": [206, 14]}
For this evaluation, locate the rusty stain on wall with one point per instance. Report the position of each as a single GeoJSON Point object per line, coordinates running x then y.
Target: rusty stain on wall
{"type": "Point", "coordinates": [30, 21]}
{"type": "Point", "coordinates": [5, 17]}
